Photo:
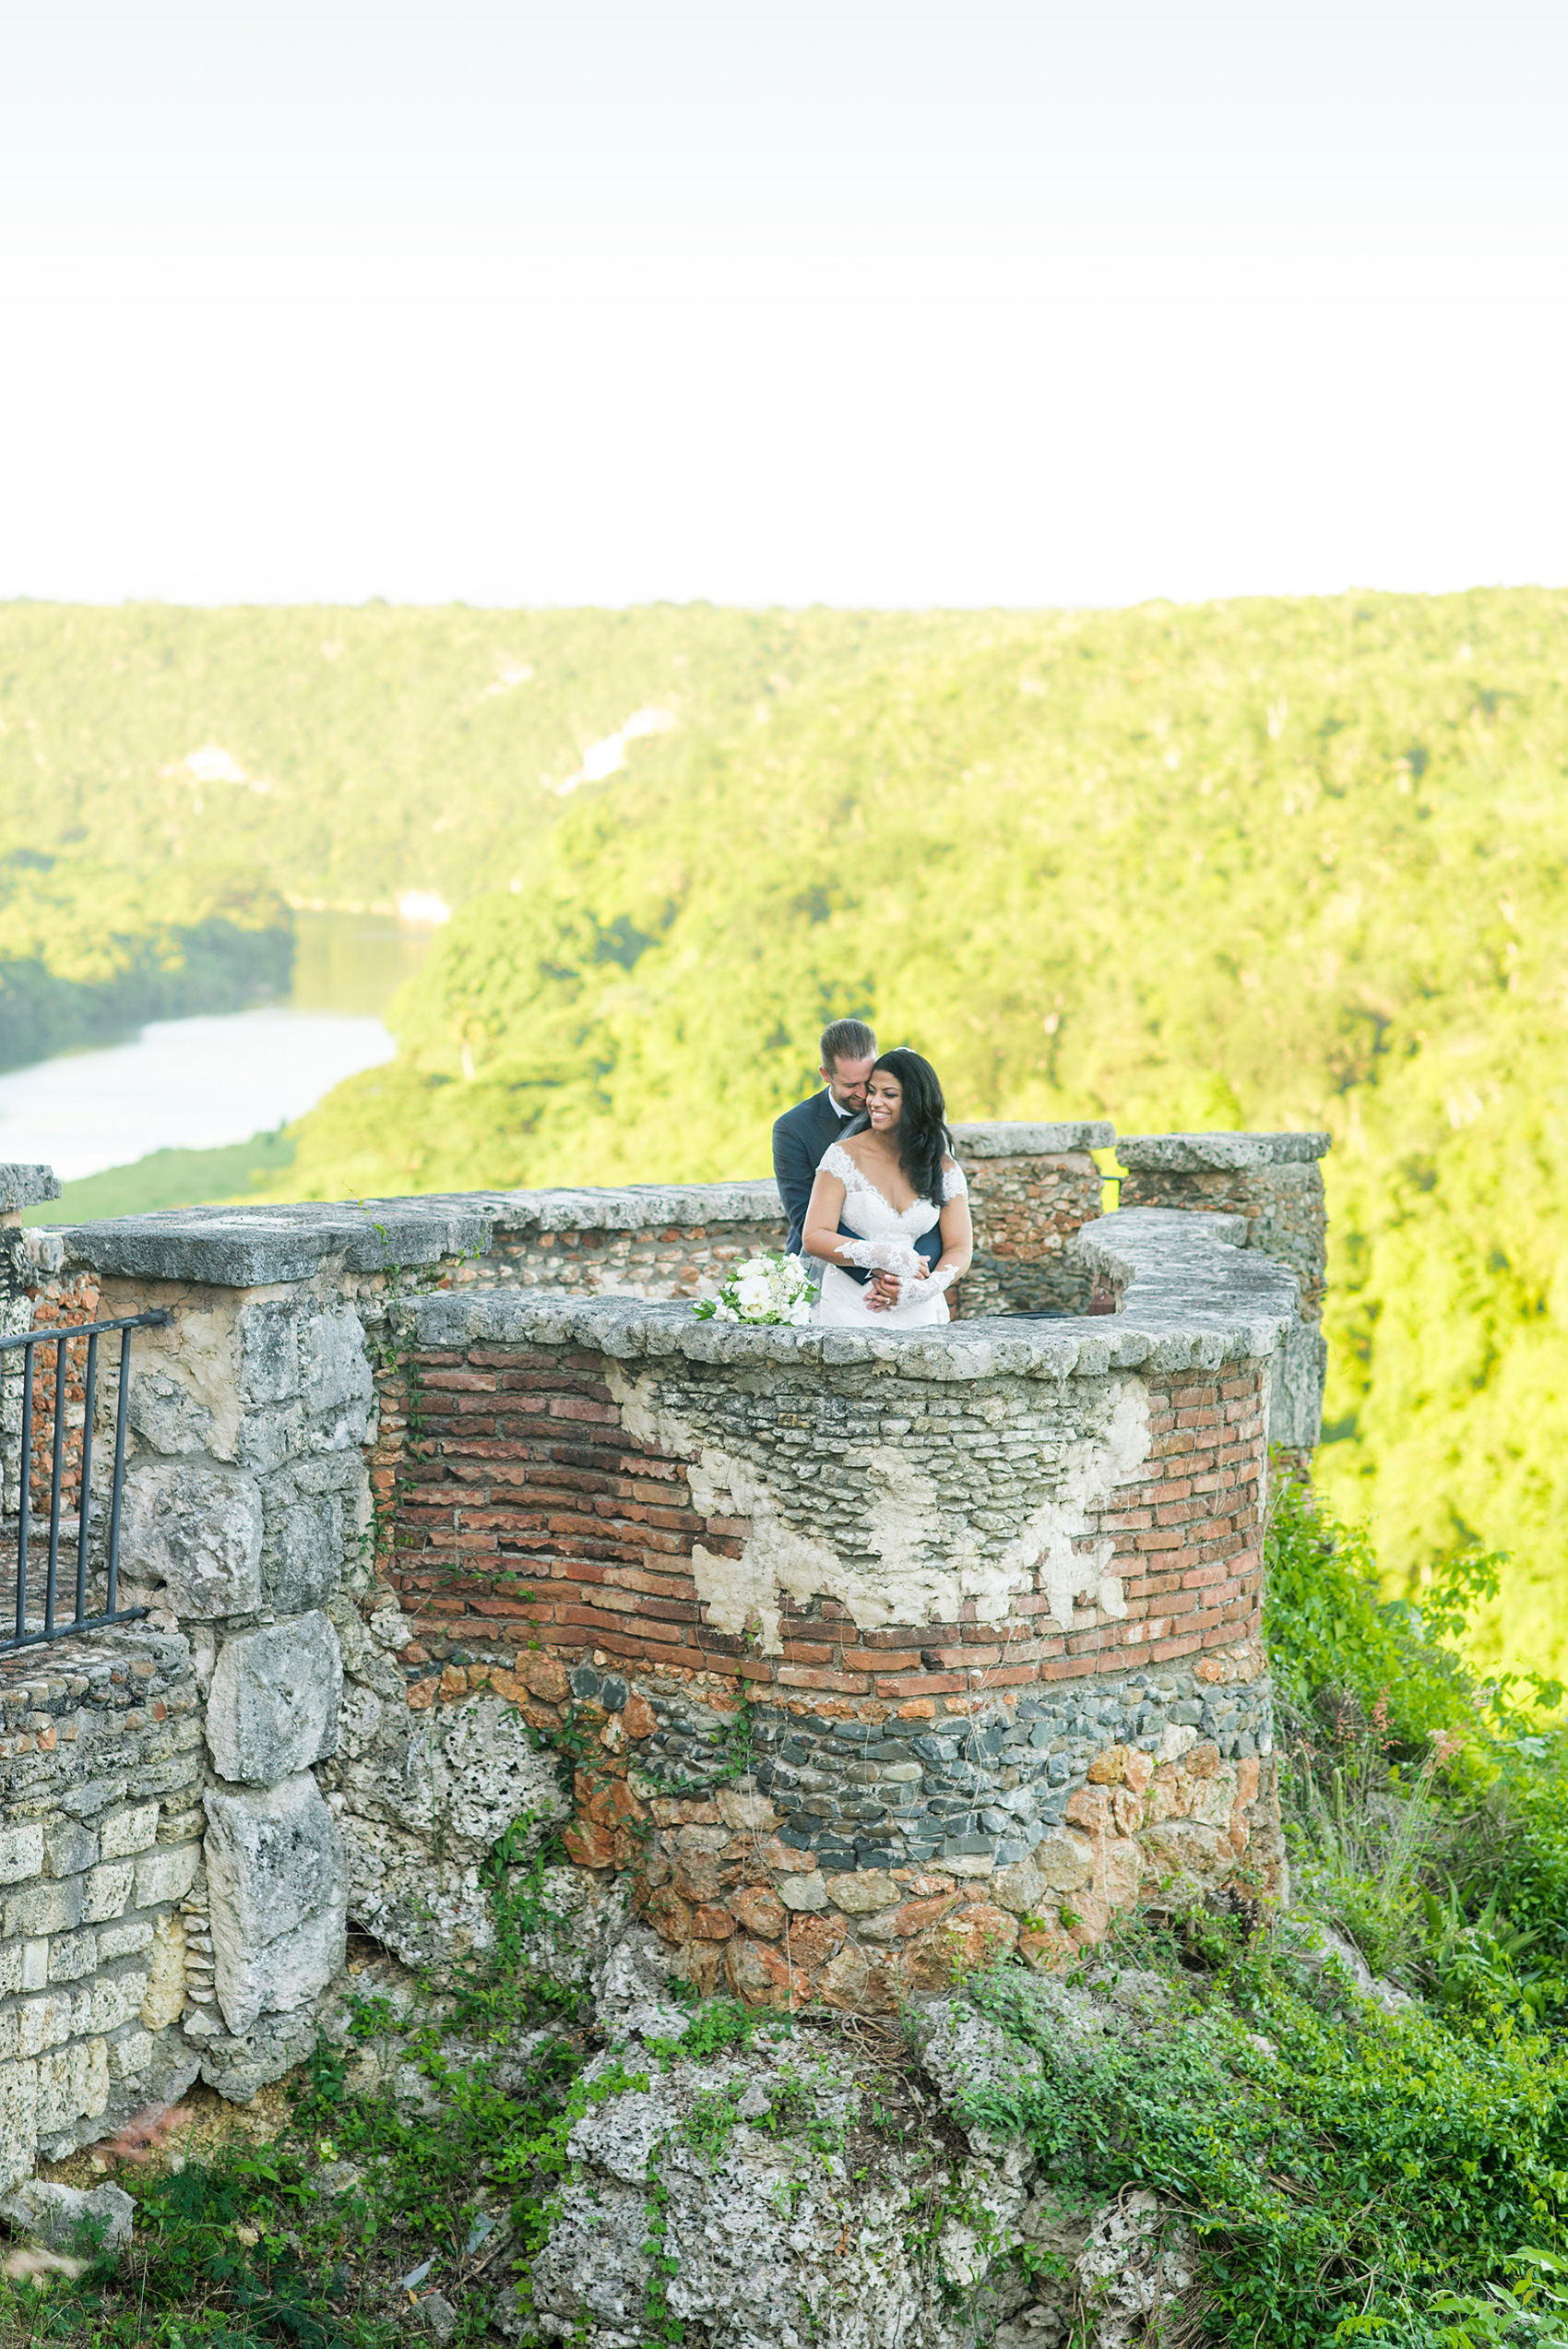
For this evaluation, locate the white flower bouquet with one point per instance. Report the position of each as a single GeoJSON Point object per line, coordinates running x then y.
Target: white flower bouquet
{"type": "Point", "coordinates": [767, 1289]}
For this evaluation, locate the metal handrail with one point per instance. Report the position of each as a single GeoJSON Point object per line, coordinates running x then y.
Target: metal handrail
{"type": "Point", "coordinates": [27, 1343]}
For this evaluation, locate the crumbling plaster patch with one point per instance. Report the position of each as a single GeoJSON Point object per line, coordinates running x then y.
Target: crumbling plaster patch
{"type": "Point", "coordinates": [926, 1565]}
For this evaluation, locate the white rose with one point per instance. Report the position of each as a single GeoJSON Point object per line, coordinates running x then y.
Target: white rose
{"type": "Point", "coordinates": [754, 1295]}
{"type": "Point", "coordinates": [800, 1313]}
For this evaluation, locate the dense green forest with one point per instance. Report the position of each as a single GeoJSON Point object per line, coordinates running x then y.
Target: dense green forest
{"type": "Point", "coordinates": [1259, 864]}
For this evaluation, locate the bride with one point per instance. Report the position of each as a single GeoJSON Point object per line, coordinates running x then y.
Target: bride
{"type": "Point", "coordinates": [878, 1192]}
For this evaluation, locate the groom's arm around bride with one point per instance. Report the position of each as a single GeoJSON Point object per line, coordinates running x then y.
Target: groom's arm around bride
{"type": "Point", "coordinates": [806, 1132]}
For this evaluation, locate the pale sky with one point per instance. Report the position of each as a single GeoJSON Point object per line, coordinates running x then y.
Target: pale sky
{"type": "Point", "coordinates": [852, 303]}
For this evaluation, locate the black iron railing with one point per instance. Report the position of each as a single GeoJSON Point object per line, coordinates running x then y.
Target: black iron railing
{"type": "Point", "coordinates": [61, 1342]}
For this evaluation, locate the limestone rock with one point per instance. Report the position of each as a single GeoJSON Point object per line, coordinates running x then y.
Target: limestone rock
{"type": "Point", "coordinates": [66, 2219]}
{"type": "Point", "coordinates": [195, 1531]}
{"type": "Point", "coordinates": [18, 2121]}
{"type": "Point", "coordinates": [768, 2249]}
{"type": "Point", "coordinates": [168, 1415]}
{"type": "Point", "coordinates": [239, 2063]}
{"type": "Point", "coordinates": [1323, 1951]}
{"type": "Point", "coordinates": [277, 1889]}
{"type": "Point", "coordinates": [458, 1777]}
{"type": "Point", "coordinates": [274, 1702]}
{"type": "Point", "coordinates": [165, 1997]}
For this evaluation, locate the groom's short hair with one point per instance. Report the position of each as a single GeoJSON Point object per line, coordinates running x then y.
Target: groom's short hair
{"type": "Point", "coordinates": [847, 1039]}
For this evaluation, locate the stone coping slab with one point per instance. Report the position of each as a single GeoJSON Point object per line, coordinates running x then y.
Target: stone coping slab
{"type": "Point", "coordinates": [24, 1186]}
{"type": "Point", "coordinates": [1204, 1153]}
{"type": "Point", "coordinates": [639, 1207]}
{"type": "Point", "coordinates": [254, 1247]}
{"type": "Point", "coordinates": [1004, 1139]}
{"type": "Point", "coordinates": [1196, 1298]}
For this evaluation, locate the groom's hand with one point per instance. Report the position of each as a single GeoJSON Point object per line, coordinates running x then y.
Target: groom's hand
{"type": "Point", "coordinates": [882, 1292]}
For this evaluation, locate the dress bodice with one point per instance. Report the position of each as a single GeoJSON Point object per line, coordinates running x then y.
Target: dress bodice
{"type": "Point", "coordinates": [872, 1217]}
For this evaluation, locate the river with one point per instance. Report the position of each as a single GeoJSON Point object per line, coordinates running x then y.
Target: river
{"type": "Point", "coordinates": [202, 1084]}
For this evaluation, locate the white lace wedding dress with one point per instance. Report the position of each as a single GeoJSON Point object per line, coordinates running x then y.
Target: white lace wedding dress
{"type": "Point", "coordinates": [890, 1232]}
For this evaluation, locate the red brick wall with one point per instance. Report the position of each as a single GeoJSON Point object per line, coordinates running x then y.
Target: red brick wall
{"type": "Point", "coordinates": [60, 1303]}
{"type": "Point", "coordinates": [519, 1510]}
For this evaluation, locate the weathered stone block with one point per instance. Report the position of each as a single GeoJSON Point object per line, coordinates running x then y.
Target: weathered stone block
{"type": "Point", "coordinates": [18, 2121]}
{"type": "Point", "coordinates": [166, 1874]}
{"type": "Point", "coordinates": [106, 1890]}
{"type": "Point", "coordinates": [21, 1850]}
{"type": "Point", "coordinates": [803, 1892]}
{"type": "Point", "coordinates": [67, 2219]}
{"type": "Point", "coordinates": [71, 1955]}
{"type": "Point", "coordinates": [68, 1849]}
{"type": "Point", "coordinates": [128, 1831]}
{"type": "Point", "coordinates": [165, 1993]}
{"type": "Point", "coordinates": [196, 1533]}
{"type": "Point", "coordinates": [94, 1794]}
{"type": "Point", "coordinates": [303, 1560]}
{"type": "Point", "coordinates": [120, 1941]}
{"type": "Point", "coordinates": [276, 1888]}
{"type": "Point", "coordinates": [59, 2014]}
{"type": "Point", "coordinates": [45, 1907]}
{"type": "Point", "coordinates": [73, 2084]}
{"type": "Point", "coordinates": [334, 1364]}
{"type": "Point", "coordinates": [117, 1998]}
{"type": "Point", "coordinates": [269, 1352]}
{"type": "Point", "coordinates": [863, 1892]}
{"type": "Point", "coordinates": [130, 2054]}
{"type": "Point", "coordinates": [167, 1416]}
{"type": "Point", "coordinates": [274, 1701]}
{"type": "Point", "coordinates": [10, 1967]}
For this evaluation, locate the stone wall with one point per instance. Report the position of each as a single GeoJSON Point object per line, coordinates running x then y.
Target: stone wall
{"type": "Point", "coordinates": [856, 1621]}
{"type": "Point", "coordinates": [101, 1882]}
{"type": "Point", "coordinates": [1273, 1185]}
{"type": "Point", "coordinates": [1031, 1188]}
{"type": "Point", "coordinates": [882, 1647]}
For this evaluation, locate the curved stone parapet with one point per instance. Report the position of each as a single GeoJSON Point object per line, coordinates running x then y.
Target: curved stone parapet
{"type": "Point", "coordinates": [1271, 1186]}
{"type": "Point", "coordinates": [990, 1592]}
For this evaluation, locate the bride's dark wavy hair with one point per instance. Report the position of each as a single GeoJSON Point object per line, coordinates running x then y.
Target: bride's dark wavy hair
{"type": "Point", "coordinates": [923, 1120]}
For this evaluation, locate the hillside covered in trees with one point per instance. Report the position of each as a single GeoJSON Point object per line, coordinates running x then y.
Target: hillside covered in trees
{"type": "Point", "coordinates": [1259, 864]}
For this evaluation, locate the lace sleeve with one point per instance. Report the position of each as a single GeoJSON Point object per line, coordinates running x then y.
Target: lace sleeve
{"type": "Point", "coordinates": [952, 1184]}
{"type": "Point", "coordinates": [839, 1163]}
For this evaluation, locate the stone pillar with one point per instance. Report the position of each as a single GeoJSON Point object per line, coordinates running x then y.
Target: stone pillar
{"type": "Point", "coordinates": [246, 1529]}
{"type": "Point", "coordinates": [1273, 1182]}
{"type": "Point", "coordinates": [1031, 1188]}
{"type": "Point", "coordinates": [249, 1528]}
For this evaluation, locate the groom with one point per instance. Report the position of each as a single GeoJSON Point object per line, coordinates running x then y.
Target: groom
{"type": "Point", "coordinates": [805, 1133]}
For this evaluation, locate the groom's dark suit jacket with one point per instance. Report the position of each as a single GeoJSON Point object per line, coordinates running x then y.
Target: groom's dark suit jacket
{"type": "Point", "coordinates": [801, 1138]}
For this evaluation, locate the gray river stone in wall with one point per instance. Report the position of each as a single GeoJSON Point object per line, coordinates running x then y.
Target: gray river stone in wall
{"type": "Point", "coordinates": [278, 1895]}
{"type": "Point", "coordinates": [275, 1699]}
{"type": "Point", "coordinates": [197, 1530]}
